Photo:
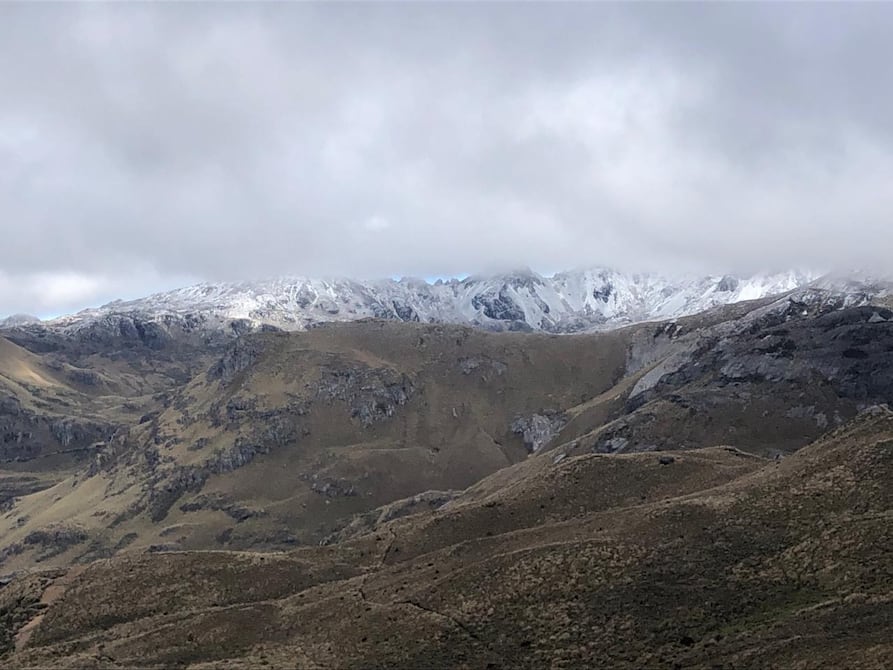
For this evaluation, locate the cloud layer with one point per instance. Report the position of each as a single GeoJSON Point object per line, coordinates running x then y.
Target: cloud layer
{"type": "Point", "coordinates": [142, 146]}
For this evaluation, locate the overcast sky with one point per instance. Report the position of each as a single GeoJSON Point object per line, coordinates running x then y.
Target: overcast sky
{"type": "Point", "coordinates": [148, 146]}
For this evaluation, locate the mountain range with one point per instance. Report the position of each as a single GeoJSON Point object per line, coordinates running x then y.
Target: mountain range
{"type": "Point", "coordinates": [567, 302]}
{"type": "Point", "coordinates": [194, 480]}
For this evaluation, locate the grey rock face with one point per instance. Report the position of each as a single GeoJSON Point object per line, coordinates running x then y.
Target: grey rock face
{"type": "Point", "coordinates": [498, 306]}
{"type": "Point", "coordinates": [604, 292]}
{"type": "Point", "coordinates": [404, 311]}
{"type": "Point", "coordinates": [332, 488]}
{"type": "Point", "coordinates": [73, 431]}
{"type": "Point", "coordinates": [166, 488]}
{"type": "Point", "coordinates": [16, 486]}
{"type": "Point", "coordinates": [219, 502]}
{"type": "Point", "coordinates": [52, 541]}
{"type": "Point", "coordinates": [810, 412]}
{"type": "Point", "coordinates": [538, 430]}
{"type": "Point", "coordinates": [727, 284]}
{"type": "Point", "coordinates": [10, 405]}
{"type": "Point", "coordinates": [371, 395]}
{"type": "Point", "coordinates": [26, 436]}
{"type": "Point", "coordinates": [239, 455]}
{"type": "Point", "coordinates": [487, 367]}
{"type": "Point", "coordinates": [613, 445]}
{"type": "Point", "coordinates": [85, 377]}
{"type": "Point", "coordinates": [238, 357]}
{"type": "Point", "coordinates": [775, 379]}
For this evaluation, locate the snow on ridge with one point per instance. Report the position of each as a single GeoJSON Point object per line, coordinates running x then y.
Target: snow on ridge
{"type": "Point", "coordinates": [579, 300]}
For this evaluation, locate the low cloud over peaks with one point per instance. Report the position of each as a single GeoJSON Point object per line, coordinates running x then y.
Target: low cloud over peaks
{"type": "Point", "coordinates": [142, 145]}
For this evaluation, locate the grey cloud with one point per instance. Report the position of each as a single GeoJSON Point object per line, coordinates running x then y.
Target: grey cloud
{"type": "Point", "coordinates": [214, 141]}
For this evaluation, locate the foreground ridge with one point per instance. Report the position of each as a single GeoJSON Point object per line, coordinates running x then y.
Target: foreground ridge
{"type": "Point", "coordinates": [724, 559]}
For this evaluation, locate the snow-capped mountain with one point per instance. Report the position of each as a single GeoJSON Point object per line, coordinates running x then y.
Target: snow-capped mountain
{"type": "Point", "coordinates": [17, 320]}
{"type": "Point", "coordinates": [564, 303]}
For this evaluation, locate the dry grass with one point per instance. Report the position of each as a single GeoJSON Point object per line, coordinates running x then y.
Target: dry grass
{"type": "Point", "coordinates": [719, 558]}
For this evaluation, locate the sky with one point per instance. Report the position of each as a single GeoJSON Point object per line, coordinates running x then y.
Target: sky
{"type": "Point", "coordinates": [148, 146]}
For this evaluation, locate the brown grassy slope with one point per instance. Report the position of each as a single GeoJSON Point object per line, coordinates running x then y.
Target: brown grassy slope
{"type": "Point", "coordinates": [49, 421]}
{"type": "Point", "coordinates": [291, 434]}
{"type": "Point", "coordinates": [288, 437]}
{"type": "Point", "coordinates": [780, 565]}
{"type": "Point", "coordinates": [53, 412]}
{"type": "Point", "coordinates": [349, 446]}
{"type": "Point", "coordinates": [22, 368]}
{"type": "Point", "coordinates": [59, 413]}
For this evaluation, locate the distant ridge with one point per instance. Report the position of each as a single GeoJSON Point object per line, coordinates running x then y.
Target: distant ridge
{"type": "Point", "coordinates": [17, 320]}
{"type": "Point", "coordinates": [567, 302]}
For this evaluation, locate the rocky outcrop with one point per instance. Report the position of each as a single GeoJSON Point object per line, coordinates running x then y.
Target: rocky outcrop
{"type": "Point", "coordinates": [370, 521]}
{"type": "Point", "coordinates": [331, 487]}
{"type": "Point", "coordinates": [371, 395]}
{"type": "Point", "coordinates": [538, 430]}
{"type": "Point", "coordinates": [775, 379]}
{"type": "Point", "coordinates": [727, 284]}
{"type": "Point", "coordinates": [13, 486]}
{"type": "Point", "coordinates": [240, 454]}
{"type": "Point", "coordinates": [29, 437]}
{"type": "Point", "coordinates": [219, 502]}
{"type": "Point", "coordinates": [49, 542]}
{"type": "Point", "coordinates": [166, 488]}
{"type": "Point", "coordinates": [72, 431]}
{"type": "Point", "coordinates": [484, 366]}
{"type": "Point", "coordinates": [168, 485]}
{"type": "Point", "coordinates": [238, 357]}
{"type": "Point", "coordinates": [498, 306]}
